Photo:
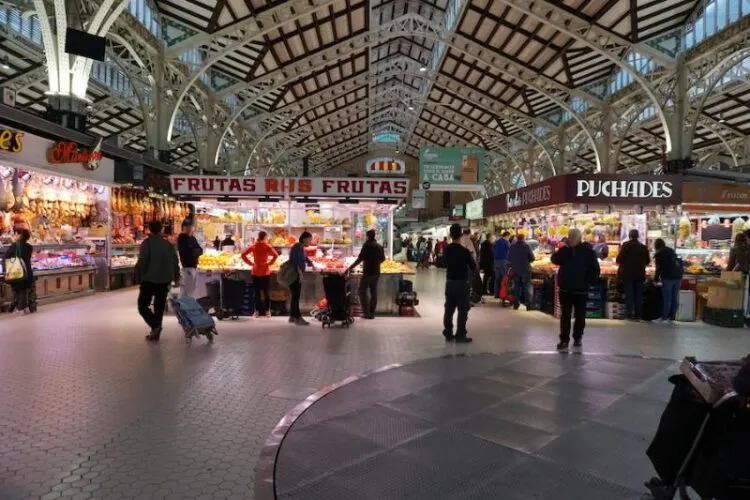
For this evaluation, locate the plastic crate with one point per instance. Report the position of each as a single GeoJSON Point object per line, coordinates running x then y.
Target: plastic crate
{"type": "Point", "coordinates": [727, 318]}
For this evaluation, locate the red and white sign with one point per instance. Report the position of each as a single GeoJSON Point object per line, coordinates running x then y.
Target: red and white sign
{"type": "Point", "coordinates": [386, 166]}
{"type": "Point", "coordinates": [339, 187]}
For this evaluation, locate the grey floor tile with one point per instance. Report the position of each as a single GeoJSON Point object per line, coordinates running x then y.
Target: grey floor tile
{"type": "Point", "coordinates": [513, 435]}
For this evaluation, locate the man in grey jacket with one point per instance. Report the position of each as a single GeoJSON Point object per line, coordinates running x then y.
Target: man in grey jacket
{"type": "Point", "coordinates": [158, 266]}
{"type": "Point", "coordinates": [520, 258]}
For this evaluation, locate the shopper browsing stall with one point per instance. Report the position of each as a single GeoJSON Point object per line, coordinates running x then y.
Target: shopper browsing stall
{"type": "Point", "coordinates": [487, 264]}
{"type": "Point", "coordinates": [19, 273]}
{"type": "Point", "coordinates": [633, 259]}
{"type": "Point", "coordinates": [299, 261]}
{"type": "Point", "coordinates": [460, 265]}
{"type": "Point", "coordinates": [739, 255]}
{"type": "Point", "coordinates": [263, 256]}
{"type": "Point", "coordinates": [227, 242]}
{"type": "Point", "coordinates": [371, 256]}
{"type": "Point", "coordinates": [189, 250]}
{"type": "Point", "coordinates": [500, 249]}
{"type": "Point", "coordinates": [158, 267]}
{"type": "Point", "coordinates": [669, 273]}
{"type": "Point", "coordinates": [520, 258]}
{"type": "Point", "coordinates": [579, 269]}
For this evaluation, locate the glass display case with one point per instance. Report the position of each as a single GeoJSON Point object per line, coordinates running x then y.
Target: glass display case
{"type": "Point", "coordinates": [61, 271]}
{"type": "Point", "coordinates": [704, 261]}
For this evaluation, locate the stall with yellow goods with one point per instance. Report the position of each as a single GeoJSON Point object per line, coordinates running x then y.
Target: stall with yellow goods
{"type": "Point", "coordinates": [337, 217]}
{"type": "Point", "coordinates": [605, 208]}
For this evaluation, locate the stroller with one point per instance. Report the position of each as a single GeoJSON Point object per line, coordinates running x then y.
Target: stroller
{"type": "Point", "coordinates": [703, 436]}
{"type": "Point", "coordinates": [337, 298]}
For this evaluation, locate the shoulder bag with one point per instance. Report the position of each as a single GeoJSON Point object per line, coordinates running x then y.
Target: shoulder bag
{"type": "Point", "coordinates": [15, 267]}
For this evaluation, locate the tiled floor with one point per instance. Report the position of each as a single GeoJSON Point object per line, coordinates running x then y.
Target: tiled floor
{"type": "Point", "coordinates": [475, 434]}
{"type": "Point", "coordinates": [88, 410]}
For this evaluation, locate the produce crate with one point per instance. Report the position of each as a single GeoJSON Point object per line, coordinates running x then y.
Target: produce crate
{"type": "Point", "coordinates": [727, 318]}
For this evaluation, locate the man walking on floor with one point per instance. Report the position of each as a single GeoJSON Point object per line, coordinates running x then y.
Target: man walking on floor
{"type": "Point", "coordinates": [632, 261]}
{"type": "Point", "coordinates": [501, 248]}
{"type": "Point", "coordinates": [158, 267]}
{"type": "Point", "coordinates": [371, 256]}
{"type": "Point", "coordinates": [460, 265]}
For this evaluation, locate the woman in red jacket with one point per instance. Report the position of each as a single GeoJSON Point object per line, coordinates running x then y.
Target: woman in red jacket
{"type": "Point", "coordinates": [263, 256]}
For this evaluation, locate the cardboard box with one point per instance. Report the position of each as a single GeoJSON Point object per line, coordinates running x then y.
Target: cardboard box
{"type": "Point", "coordinates": [725, 298]}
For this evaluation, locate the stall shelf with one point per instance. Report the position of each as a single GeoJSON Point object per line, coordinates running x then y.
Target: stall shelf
{"type": "Point", "coordinates": [336, 211]}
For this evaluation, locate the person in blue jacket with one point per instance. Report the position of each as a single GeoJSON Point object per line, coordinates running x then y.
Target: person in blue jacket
{"type": "Point", "coordinates": [500, 249]}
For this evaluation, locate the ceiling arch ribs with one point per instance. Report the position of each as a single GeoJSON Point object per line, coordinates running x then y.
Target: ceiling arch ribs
{"type": "Point", "coordinates": [413, 25]}
{"type": "Point", "coordinates": [222, 43]}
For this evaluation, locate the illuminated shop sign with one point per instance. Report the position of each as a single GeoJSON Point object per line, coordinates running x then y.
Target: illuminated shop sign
{"type": "Point", "coordinates": [10, 141]}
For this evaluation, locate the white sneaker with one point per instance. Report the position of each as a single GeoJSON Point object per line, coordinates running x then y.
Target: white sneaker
{"type": "Point", "coordinates": [659, 321]}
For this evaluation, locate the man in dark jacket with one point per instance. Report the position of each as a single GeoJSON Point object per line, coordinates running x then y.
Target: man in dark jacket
{"type": "Point", "coordinates": [158, 267]}
{"type": "Point", "coordinates": [578, 270]}
{"type": "Point", "coordinates": [520, 258]}
{"type": "Point", "coordinates": [487, 264]}
{"type": "Point", "coordinates": [633, 259]}
{"type": "Point", "coordinates": [669, 273]}
{"type": "Point", "coordinates": [460, 265]}
{"type": "Point", "coordinates": [371, 256]}
{"type": "Point", "coordinates": [189, 250]}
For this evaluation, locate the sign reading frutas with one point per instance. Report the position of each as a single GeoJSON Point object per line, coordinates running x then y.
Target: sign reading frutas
{"type": "Point", "coordinates": [452, 169]}
{"type": "Point", "coordinates": [10, 141]}
{"type": "Point", "coordinates": [347, 187]}
{"type": "Point", "coordinates": [386, 166]}
{"type": "Point", "coordinates": [70, 152]}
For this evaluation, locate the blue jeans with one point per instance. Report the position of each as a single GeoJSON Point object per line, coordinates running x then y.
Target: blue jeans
{"type": "Point", "coordinates": [634, 299]}
{"type": "Point", "coordinates": [501, 267]}
{"type": "Point", "coordinates": [521, 295]}
{"type": "Point", "coordinates": [670, 293]}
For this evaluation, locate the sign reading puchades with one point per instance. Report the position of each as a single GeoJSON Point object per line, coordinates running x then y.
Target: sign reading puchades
{"type": "Point", "coordinates": [324, 187]}
{"type": "Point", "coordinates": [591, 189]}
{"type": "Point", "coordinates": [386, 166]}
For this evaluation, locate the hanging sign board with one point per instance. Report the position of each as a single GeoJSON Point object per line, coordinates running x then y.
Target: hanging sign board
{"type": "Point", "coordinates": [475, 209]}
{"type": "Point", "coordinates": [452, 169]}
{"type": "Point", "coordinates": [419, 198]}
{"type": "Point", "coordinates": [386, 166]}
{"type": "Point", "coordinates": [70, 152]}
{"type": "Point", "coordinates": [335, 187]}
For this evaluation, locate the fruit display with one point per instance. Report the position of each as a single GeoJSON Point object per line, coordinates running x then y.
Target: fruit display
{"type": "Point", "coordinates": [282, 238]}
{"type": "Point", "coordinates": [329, 265]}
{"type": "Point", "coordinates": [344, 240]}
{"type": "Point", "coordinates": [391, 266]}
{"type": "Point", "coordinates": [211, 261]}
{"type": "Point", "coordinates": [273, 217]}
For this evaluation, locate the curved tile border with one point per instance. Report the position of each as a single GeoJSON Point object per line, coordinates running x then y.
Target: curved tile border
{"type": "Point", "coordinates": [265, 485]}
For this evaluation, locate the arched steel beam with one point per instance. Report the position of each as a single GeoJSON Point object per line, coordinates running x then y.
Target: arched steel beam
{"type": "Point", "coordinates": [244, 33]}
{"type": "Point", "coordinates": [414, 25]}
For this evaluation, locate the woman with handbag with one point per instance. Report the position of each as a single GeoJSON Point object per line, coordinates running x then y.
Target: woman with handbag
{"type": "Point", "coordinates": [18, 272]}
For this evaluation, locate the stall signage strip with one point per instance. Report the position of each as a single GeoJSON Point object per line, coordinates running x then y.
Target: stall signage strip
{"type": "Point", "coordinates": [351, 187]}
{"type": "Point", "coordinates": [694, 192]}
{"type": "Point", "coordinates": [11, 141]}
{"type": "Point", "coordinates": [602, 189]}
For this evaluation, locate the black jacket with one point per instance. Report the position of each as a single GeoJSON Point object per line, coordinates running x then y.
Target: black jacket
{"type": "Point", "coordinates": [189, 250]}
{"type": "Point", "coordinates": [24, 253]}
{"type": "Point", "coordinates": [667, 265]}
{"type": "Point", "coordinates": [579, 268]}
{"type": "Point", "coordinates": [632, 259]}
{"type": "Point", "coordinates": [486, 256]}
{"type": "Point", "coordinates": [371, 256]}
{"type": "Point", "coordinates": [741, 382]}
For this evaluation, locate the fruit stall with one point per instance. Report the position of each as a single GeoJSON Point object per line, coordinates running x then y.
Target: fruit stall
{"type": "Point", "coordinates": [336, 212]}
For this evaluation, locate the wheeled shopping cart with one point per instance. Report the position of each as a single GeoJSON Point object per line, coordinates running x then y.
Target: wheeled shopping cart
{"type": "Point", "coordinates": [193, 318]}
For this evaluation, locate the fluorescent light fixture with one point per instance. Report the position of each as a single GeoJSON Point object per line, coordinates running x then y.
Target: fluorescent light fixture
{"type": "Point", "coordinates": [423, 69]}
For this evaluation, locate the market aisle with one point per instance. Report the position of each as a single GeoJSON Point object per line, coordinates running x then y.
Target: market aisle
{"type": "Point", "coordinates": [88, 407]}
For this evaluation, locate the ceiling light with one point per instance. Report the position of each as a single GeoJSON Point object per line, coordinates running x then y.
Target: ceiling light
{"type": "Point", "coordinates": [5, 63]}
{"type": "Point", "coordinates": [411, 108]}
{"type": "Point", "coordinates": [423, 69]}
{"type": "Point", "coordinates": [722, 120]}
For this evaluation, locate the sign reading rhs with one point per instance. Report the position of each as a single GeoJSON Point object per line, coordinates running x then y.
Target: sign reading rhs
{"type": "Point", "coordinates": [594, 188]}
